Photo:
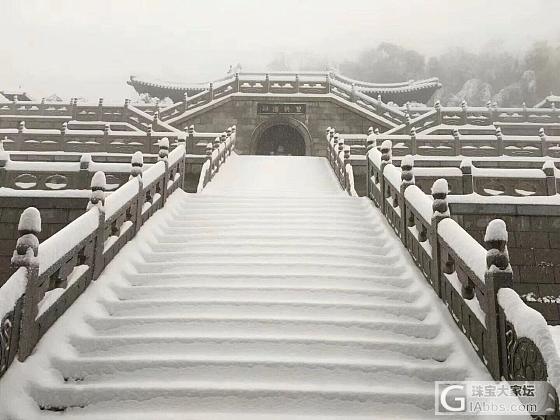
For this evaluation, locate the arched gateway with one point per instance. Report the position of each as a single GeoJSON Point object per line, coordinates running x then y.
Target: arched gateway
{"type": "Point", "coordinates": [281, 136]}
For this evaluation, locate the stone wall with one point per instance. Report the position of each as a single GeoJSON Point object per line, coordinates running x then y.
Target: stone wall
{"type": "Point", "coordinates": [57, 210]}
{"type": "Point", "coordinates": [534, 246]}
{"type": "Point", "coordinates": [321, 112]}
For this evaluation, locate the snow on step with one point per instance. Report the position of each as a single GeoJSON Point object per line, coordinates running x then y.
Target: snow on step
{"type": "Point", "coordinates": [265, 297]}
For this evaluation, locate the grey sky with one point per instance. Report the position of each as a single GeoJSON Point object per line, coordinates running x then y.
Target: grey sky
{"type": "Point", "coordinates": [89, 48]}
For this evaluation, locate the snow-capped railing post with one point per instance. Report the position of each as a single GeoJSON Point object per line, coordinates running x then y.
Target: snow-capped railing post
{"type": "Point", "coordinates": [386, 158]}
{"type": "Point", "coordinates": [466, 179]}
{"type": "Point", "coordinates": [464, 113]}
{"type": "Point", "coordinates": [353, 93]}
{"type": "Point", "coordinates": [190, 141]}
{"type": "Point", "coordinates": [339, 161]}
{"type": "Point", "coordinates": [210, 92]}
{"type": "Point", "coordinates": [407, 174]}
{"type": "Point", "coordinates": [440, 211]}
{"type": "Point", "coordinates": [100, 110]}
{"type": "Point", "coordinates": [26, 255]}
{"type": "Point", "coordinates": [163, 153]}
{"type": "Point", "coordinates": [413, 142]}
{"type": "Point", "coordinates": [137, 166]}
{"type": "Point", "coordinates": [266, 83]}
{"type": "Point", "coordinates": [155, 120]}
{"type": "Point", "coordinates": [74, 108]}
{"type": "Point", "coordinates": [4, 159]}
{"type": "Point", "coordinates": [149, 139]}
{"type": "Point", "coordinates": [370, 140]}
{"type": "Point", "coordinates": [237, 84]}
{"type": "Point", "coordinates": [97, 199]}
{"type": "Point", "coordinates": [500, 141]}
{"type": "Point", "coordinates": [296, 83]}
{"type": "Point", "coordinates": [542, 137]}
{"type": "Point", "coordinates": [125, 112]}
{"type": "Point", "coordinates": [498, 275]}
{"type": "Point", "coordinates": [439, 116]}
{"type": "Point", "coordinates": [347, 182]}
{"type": "Point", "coordinates": [457, 142]}
{"type": "Point", "coordinates": [549, 172]}
{"type": "Point", "coordinates": [42, 106]}
{"type": "Point", "coordinates": [84, 179]}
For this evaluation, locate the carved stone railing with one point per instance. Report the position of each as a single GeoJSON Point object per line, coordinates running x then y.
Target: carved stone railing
{"type": "Point", "coordinates": [338, 155]}
{"type": "Point", "coordinates": [51, 275]}
{"type": "Point", "coordinates": [474, 284]}
{"type": "Point", "coordinates": [423, 118]}
{"type": "Point", "coordinates": [216, 155]}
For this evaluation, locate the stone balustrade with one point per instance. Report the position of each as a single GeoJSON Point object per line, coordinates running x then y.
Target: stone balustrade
{"type": "Point", "coordinates": [338, 155]}
{"type": "Point", "coordinates": [51, 275]}
{"type": "Point", "coordinates": [473, 282]}
{"type": "Point", "coordinates": [217, 153]}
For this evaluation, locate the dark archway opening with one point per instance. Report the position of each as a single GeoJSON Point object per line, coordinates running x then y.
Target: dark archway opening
{"type": "Point", "coordinates": [281, 140]}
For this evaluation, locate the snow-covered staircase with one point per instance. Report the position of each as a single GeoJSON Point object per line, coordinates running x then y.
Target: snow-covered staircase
{"type": "Point", "coordinates": [271, 295]}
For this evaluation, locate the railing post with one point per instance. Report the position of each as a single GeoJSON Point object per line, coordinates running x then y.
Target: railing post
{"type": "Point", "coordinates": [26, 255]}
{"type": "Point", "coordinates": [125, 111]}
{"type": "Point", "coordinates": [498, 274]}
{"type": "Point", "coordinates": [74, 108]}
{"type": "Point", "coordinates": [189, 146]}
{"type": "Point", "coordinates": [467, 179]}
{"type": "Point", "coordinates": [500, 140]}
{"type": "Point", "coordinates": [211, 92]}
{"type": "Point", "coordinates": [439, 116]}
{"type": "Point", "coordinates": [100, 110]}
{"type": "Point", "coordinates": [386, 158]}
{"type": "Point", "coordinates": [297, 83]}
{"type": "Point", "coordinates": [457, 142]}
{"type": "Point", "coordinates": [440, 208]}
{"type": "Point", "coordinates": [353, 93]}
{"type": "Point", "coordinates": [346, 161]}
{"type": "Point", "coordinates": [464, 109]}
{"type": "Point", "coordinates": [549, 171]}
{"type": "Point", "coordinates": [237, 84]}
{"type": "Point", "coordinates": [137, 162]}
{"type": "Point", "coordinates": [266, 83]}
{"type": "Point", "coordinates": [413, 142]}
{"type": "Point", "coordinates": [209, 172]}
{"type": "Point", "coordinates": [97, 199]}
{"type": "Point", "coordinates": [185, 102]}
{"type": "Point", "coordinates": [163, 145]}
{"type": "Point", "coordinates": [149, 139]}
{"type": "Point", "coordinates": [544, 146]}
{"type": "Point", "coordinates": [83, 177]}
{"type": "Point", "coordinates": [407, 179]}
{"type": "Point", "coordinates": [340, 161]}
{"type": "Point", "coordinates": [4, 159]}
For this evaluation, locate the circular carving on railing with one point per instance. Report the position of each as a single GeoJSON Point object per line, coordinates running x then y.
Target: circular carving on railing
{"type": "Point", "coordinates": [524, 359]}
{"type": "Point", "coordinates": [56, 182]}
{"type": "Point", "coordinates": [25, 181]}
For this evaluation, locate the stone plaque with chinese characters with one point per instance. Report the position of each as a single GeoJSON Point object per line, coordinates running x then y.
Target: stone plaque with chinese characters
{"type": "Point", "coordinates": [267, 108]}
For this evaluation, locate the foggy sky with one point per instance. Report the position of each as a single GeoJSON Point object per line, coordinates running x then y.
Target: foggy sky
{"type": "Point", "coordinates": [90, 47]}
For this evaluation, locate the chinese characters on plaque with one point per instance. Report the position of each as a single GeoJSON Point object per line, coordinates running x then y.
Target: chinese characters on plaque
{"type": "Point", "coordinates": [267, 108]}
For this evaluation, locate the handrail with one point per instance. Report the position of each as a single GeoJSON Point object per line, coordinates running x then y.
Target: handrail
{"type": "Point", "coordinates": [339, 157]}
{"type": "Point", "coordinates": [216, 155]}
{"type": "Point", "coordinates": [50, 276]}
{"type": "Point", "coordinates": [474, 284]}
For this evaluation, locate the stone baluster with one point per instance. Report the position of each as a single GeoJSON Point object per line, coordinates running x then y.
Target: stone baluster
{"type": "Point", "coordinates": [467, 178]}
{"type": "Point", "coordinates": [464, 112]}
{"type": "Point", "coordinates": [266, 83]}
{"type": "Point", "coordinates": [42, 107]}
{"type": "Point", "coordinates": [439, 116]}
{"type": "Point", "coordinates": [74, 108]}
{"type": "Point", "coordinates": [149, 134]}
{"type": "Point", "coordinates": [407, 174]}
{"type": "Point", "coordinates": [490, 112]}
{"type": "Point", "coordinates": [237, 84]}
{"type": "Point", "coordinates": [544, 146]}
{"type": "Point", "coordinates": [413, 142]}
{"type": "Point", "coordinates": [407, 119]}
{"type": "Point", "coordinates": [440, 211]}
{"type": "Point", "coordinates": [185, 102]}
{"type": "Point", "coordinates": [190, 142]}
{"type": "Point", "coordinates": [333, 152]}
{"type": "Point", "coordinates": [345, 177]}
{"type": "Point", "coordinates": [85, 161]}
{"type": "Point", "coordinates": [163, 146]}
{"type": "Point", "coordinates": [457, 142]}
{"type": "Point", "coordinates": [371, 140]}
{"type": "Point", "coordinates": [353, 93]}
{"type": "Point", "coordinates": [125, 111]}
{"type": "Point", "coordinates": [26, 255]}
{"type": "Point", "coordinates": [498, 275]}
{"type": "Point", "coordinates": [137, 167]}
{"type": "Point", "coordinates": [550, 173]}
{"type": "Point", "coordinates": [500, 141]}
{"type": "Point", "coordinates": [97, 200]}
{"type": "Point", "coordinates": [297, 83]}
{"type": "Point", "coordinates": [211, 92]}
{"type": "Point", "coordinates": [4, 159]}
{"type": "Point", "coordinates": [21, 127]}
{"type": "Point", "coordinates": [100, 110]}
{"type": "Point", "coordinates": [525, 113]}
{"type": "Point", "coordinates": [386, 153]}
